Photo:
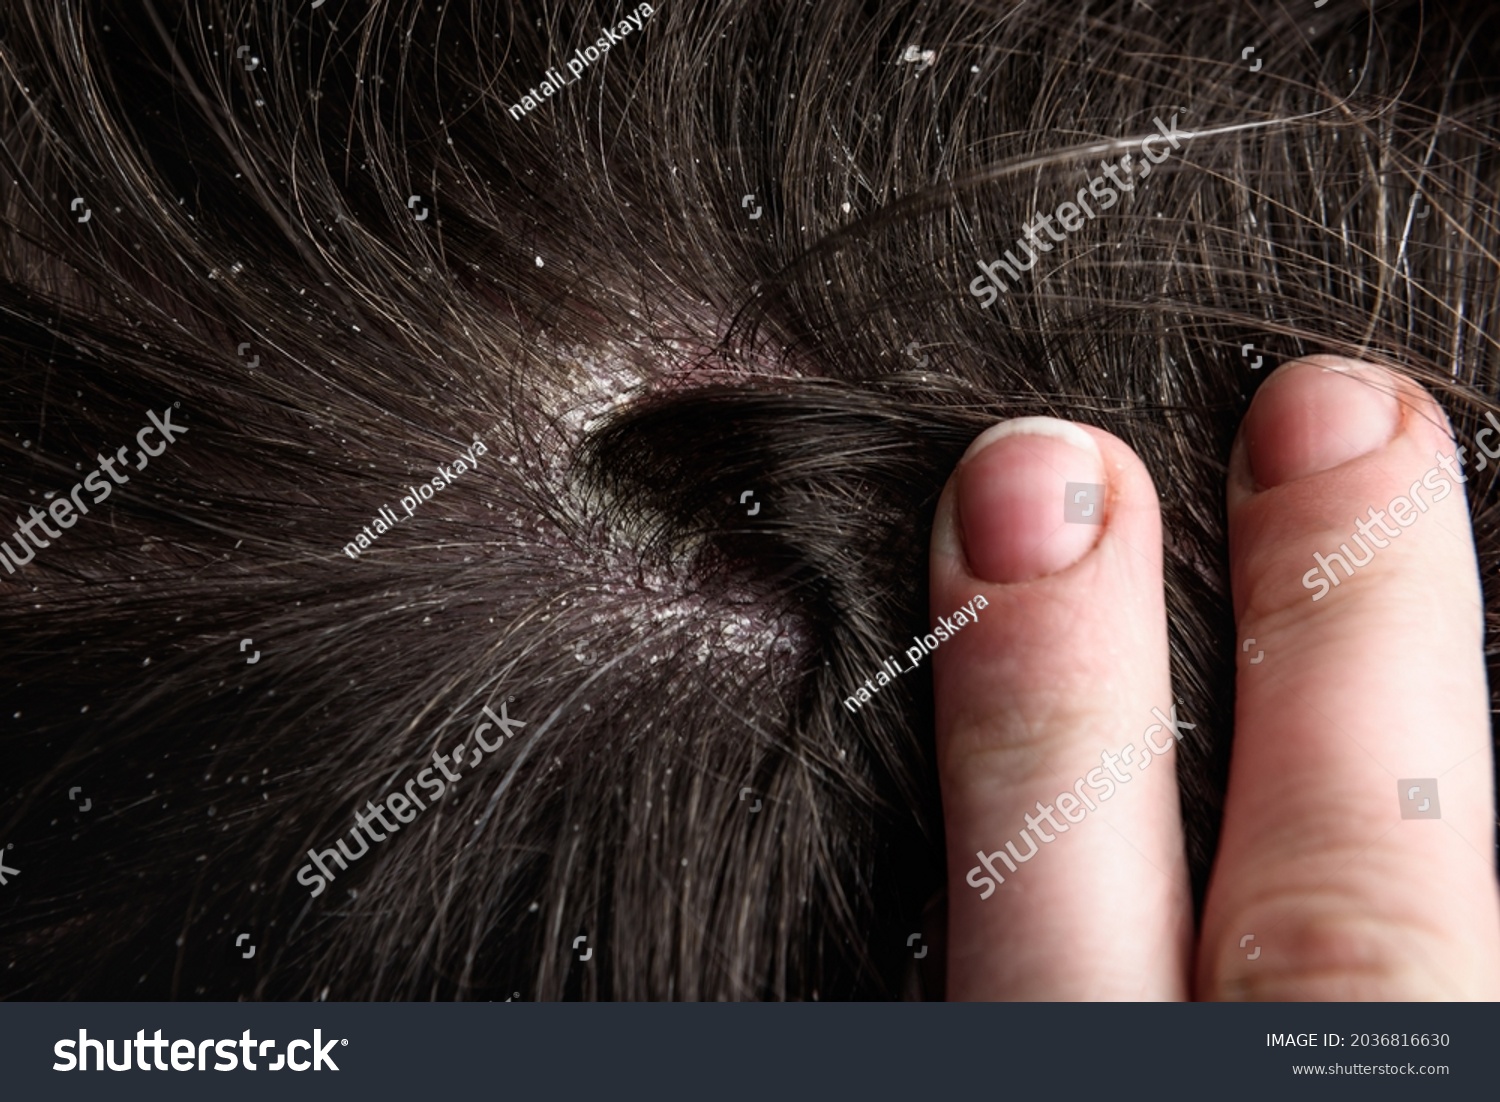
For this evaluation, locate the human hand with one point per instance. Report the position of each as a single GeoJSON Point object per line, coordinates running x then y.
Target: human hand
{"type": "Point", "coordinates": [1360, 685]}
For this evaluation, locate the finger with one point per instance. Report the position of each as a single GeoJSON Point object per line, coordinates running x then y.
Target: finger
{"type": "Point", "coordinates": [1371, 683]}
{"type": "Point", "coordinates": [1066, 870]}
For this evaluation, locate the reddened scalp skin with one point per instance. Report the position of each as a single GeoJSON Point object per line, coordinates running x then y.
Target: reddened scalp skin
{"type": "Point", "coordinates": [590, 297]}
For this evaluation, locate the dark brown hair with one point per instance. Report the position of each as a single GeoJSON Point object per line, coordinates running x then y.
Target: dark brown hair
{"type": "Point", "coordinates": [730, 258]}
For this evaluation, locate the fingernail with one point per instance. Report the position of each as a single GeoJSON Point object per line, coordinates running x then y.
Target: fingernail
{"type": "Point", "coordinates": [1313, 415]}
{"type": "Point", "coordinates": [1015, 518]}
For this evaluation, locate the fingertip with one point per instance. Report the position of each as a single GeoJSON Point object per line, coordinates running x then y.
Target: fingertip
{"type": "Point", "coordinates": [1030, 499]}
{"type": "Point", "coordinates": [1317, 413]}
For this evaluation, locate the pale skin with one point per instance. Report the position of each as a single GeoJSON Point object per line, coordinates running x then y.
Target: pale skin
{"type": "Point", "coordinates": [1338, 702]}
